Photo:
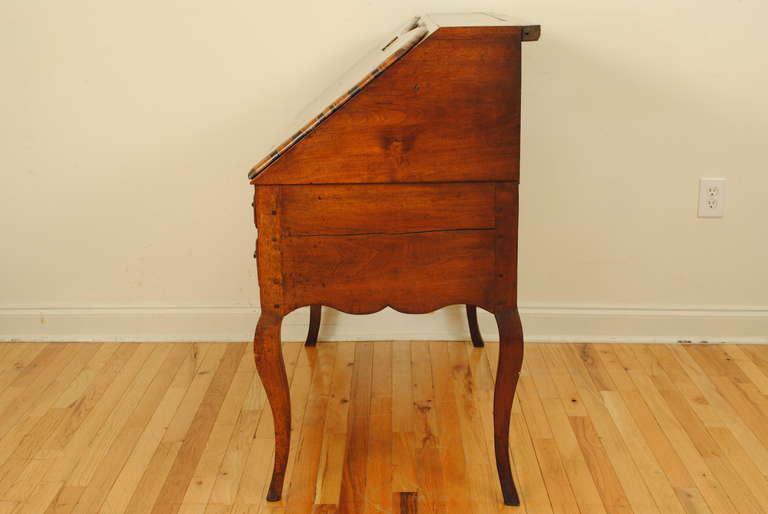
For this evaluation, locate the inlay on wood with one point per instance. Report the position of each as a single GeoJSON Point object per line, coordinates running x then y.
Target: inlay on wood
{"type": "Point", "coordinates": [400, 192]}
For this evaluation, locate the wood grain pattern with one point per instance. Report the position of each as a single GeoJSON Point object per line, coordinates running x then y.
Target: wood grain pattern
{"type": "Point", "coordinates": [447, 111]}
{"type": "Point", "coordinates": [268, 213]}
{"type": "Point", "coordinates": [271, 368]}
{"type": "Point", "coordinates": [507, 374]}
{"type": "Point", "coordinates": [657, 428]}
{"type": "Point", "coordinates": [412, 273]}
{"type": "Point", "coordinates": [386, 208]}
{"type": "Point", "coordinates": [407, 502]}
{"type": "Point", "coordinates": [505, 262]}
{"type": "Point", "coordinates": [403, 197]}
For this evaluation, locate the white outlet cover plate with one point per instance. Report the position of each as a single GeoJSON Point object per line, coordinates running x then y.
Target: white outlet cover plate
{"type": "Point", "coordinates": [711, 197]}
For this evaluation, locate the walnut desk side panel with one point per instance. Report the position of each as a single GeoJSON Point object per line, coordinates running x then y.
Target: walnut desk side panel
{"type": "Point", "coordinates": [447, 111]}
{"type": "Point", "coordinates": [413, 247]}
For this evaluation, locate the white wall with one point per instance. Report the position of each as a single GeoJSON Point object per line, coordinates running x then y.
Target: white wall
{"type": "Point", "coordinates": [128, 129]}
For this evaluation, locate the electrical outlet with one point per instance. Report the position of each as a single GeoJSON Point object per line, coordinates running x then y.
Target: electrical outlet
{"type": "Point", "coordinates": [711, 197]}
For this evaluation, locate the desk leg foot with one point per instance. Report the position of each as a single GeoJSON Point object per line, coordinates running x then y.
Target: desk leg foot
{"type": "Point", "coordinates": [474, 329]}
{"type": "Point", "coordinates": [269, 363]}
{"type": "Point", "coordinates": [510, 362]}
{"type": "Point", "coordinates": [314, 325]}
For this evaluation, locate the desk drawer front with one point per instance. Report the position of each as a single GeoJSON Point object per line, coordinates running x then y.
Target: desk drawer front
{"type": "Point", "coordinates": [413, 273]}
{"type": "Point", "coordinates": [385, 208]}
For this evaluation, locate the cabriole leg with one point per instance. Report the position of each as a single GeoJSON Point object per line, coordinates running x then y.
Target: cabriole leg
{"type": "Point", "coordinates": [474, 329]}
{"type": "Point", "coordinates": [314, 325]}
{"type": "Point", "coordinates": [269, 363]}
{"type": "Point", "coordinates": [510, 362]}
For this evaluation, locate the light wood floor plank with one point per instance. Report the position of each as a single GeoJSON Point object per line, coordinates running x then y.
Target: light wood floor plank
{"type": "Point", "coordinates": [552, 467]}
{"type": "Point", "coordinates": [589, 386]}
{"type": "Point", "coordinates": [76, 450]}
{"type": "Point", "coordinates": [429, 472]}
{"type": "Point", "coordinates": [396, 427]}
{"type": "Point", "coordinates": [333, 446]}
{"type": "Point", "coordinates": [611, 491]}
{"type": "Point", "coordinates": [450, 443]}
{"type": "Point", "coordinates": [378, 492]}
{"type": "Point", "coordinates": [657, 440]}
{"type": "Point", "coordinates": [178, 479]}
{"type": "Point", "coordinates": [404, 462]}
{"type": "Point", "coordinates": [132, 471]}
{"type": "Point", "coordinates": [84, 394]}
{"type": "Point", "coordinates": [308, 447]}
{"type": "Point", "coordinates": [36, 383]}
{"type": "Point", "coordinates": [123, 445]}
{"type": "Point", "coordinates": [15, 359]}
{"type": "Point", "coordinates": [29, 436]}
{"type": "Point", "coordinates": [723, 414]}
{"type": "Point", "coordinates": [206, 361]}
{"type": "Point", "coordinates": [478, 473]}
{"type": "Point", "coordinates": [83, 473]}
{"type": "Point", "coordinates": [355, 470]}
{"type": "Point", "coordinates": [575, 466]}
{"type": "Point", "coordinates": [227, 424]}
{"type": "Point", "coordinates": [706, 484]}
{"type": "Point", "coordinates": [708, 445]}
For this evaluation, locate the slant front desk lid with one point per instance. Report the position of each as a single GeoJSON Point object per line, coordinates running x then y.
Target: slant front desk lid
{"type": "Point", "coordinates": [372, 65]}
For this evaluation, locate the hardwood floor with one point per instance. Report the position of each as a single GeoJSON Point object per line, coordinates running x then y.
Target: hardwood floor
{"type": "Point", "coordinates": [398, 427]}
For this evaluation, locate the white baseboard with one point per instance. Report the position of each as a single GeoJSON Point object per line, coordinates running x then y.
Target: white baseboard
{"type": "Point", "coordinates": [541, 322]}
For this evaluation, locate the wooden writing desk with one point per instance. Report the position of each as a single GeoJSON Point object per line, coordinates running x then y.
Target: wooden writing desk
{"type": "Point", "coordinates": [401, 192]}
